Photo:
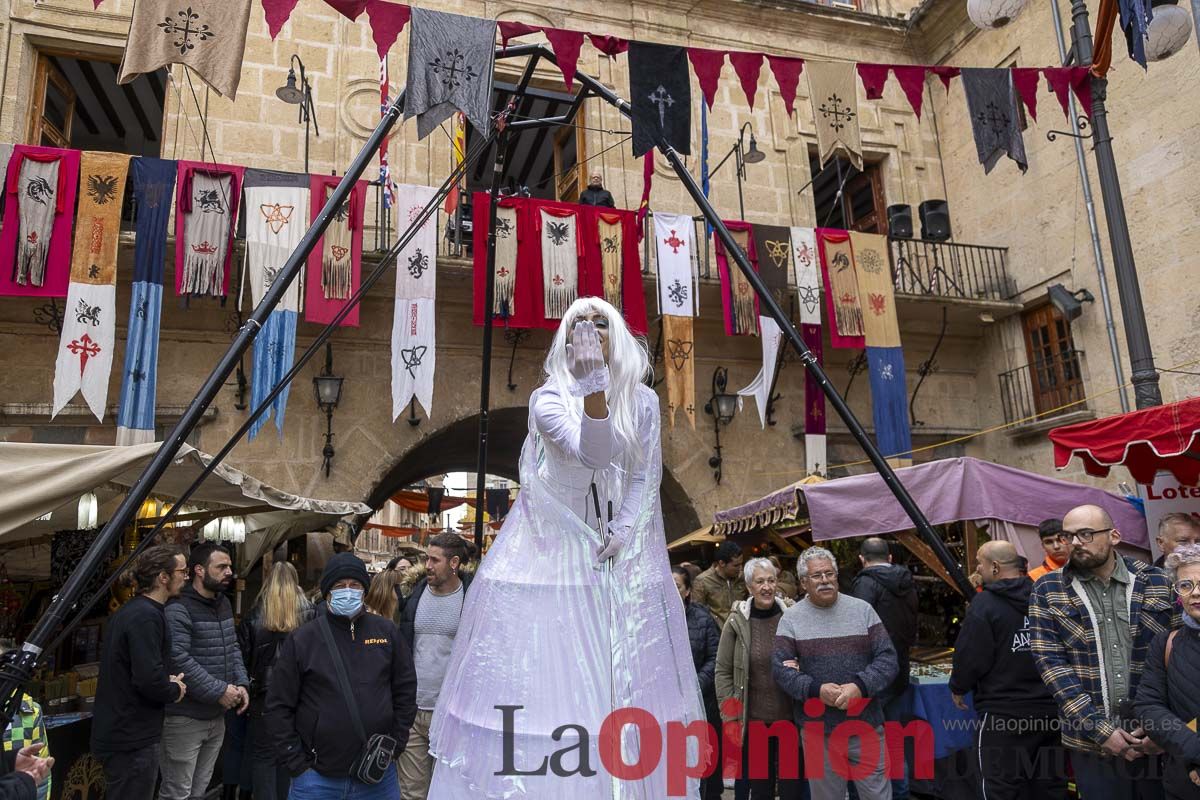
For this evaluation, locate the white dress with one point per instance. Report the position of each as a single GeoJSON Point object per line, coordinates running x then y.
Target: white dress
{"type": "Point", "coordinates": [548, 631]}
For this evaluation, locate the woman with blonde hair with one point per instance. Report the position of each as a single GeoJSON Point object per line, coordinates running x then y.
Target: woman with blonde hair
{"type": "Point", "coordinates": [281, 608]}
{"type": "Point", "coordinates": [382, 598]}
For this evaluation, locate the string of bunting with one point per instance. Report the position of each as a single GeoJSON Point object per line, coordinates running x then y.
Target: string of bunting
{"type": "Point", "coordinates": [388, 19]}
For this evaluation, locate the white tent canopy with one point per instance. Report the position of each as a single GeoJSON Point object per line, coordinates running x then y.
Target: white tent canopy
{"type": "Point", "coordinates": [49, 479]}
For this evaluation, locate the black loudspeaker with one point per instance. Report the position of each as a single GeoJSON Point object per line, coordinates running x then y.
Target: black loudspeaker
{"type": "Point", "coordinates": [935, 220]}
{"type": "Point", "coordinates": [900, 221]}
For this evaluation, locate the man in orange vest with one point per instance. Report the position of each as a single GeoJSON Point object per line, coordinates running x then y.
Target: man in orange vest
{"type": "Point", "coordinates": [1057, 547]}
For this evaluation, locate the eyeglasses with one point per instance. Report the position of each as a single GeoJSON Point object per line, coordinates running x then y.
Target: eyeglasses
{"type": "Point", "coordinates": [822, 576]}
{"type": "Point", "coordinates": [1086, 535]}
{"type": "Point", "coordinates": [1185, 588]}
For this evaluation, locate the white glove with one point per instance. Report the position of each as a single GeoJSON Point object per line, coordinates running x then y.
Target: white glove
{"type": "Point", "coordinates": [585, 360]}
{"type": "Point", "coordinates": [617, 538]}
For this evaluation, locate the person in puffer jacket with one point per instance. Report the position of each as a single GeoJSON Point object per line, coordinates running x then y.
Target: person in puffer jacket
{"type": "Point", "coordinates": [704, 638]}
{"type": "Point", "coordinates": [204, 647]}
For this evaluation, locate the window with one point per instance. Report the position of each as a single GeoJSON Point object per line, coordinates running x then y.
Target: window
{"type": "Point", "coordinates": [861, 205]}
{"type": "Point", "coordinates": [1054, 370]}
{"type": "Point", "coordinates": [78, 103]}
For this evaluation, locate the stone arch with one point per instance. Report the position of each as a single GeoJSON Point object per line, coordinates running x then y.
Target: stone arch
{"type": "Point", "coordinates": [454, 448]}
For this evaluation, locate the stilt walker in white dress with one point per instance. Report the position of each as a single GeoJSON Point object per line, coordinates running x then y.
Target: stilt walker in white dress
{"type": "Point", "coordinates": [573, 613]}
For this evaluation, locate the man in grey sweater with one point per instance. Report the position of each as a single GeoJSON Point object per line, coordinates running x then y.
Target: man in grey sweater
{"type": "Point", "coordinates": [204, 648]}
{"type": "Point", "coordinates": [833, 656]}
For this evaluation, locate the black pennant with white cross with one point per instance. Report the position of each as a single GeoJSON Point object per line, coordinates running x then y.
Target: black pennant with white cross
{"type": "Point", "coordinates": [660, 91]}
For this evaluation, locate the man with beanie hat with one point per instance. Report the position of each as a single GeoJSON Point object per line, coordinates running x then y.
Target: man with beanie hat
{"type": "Point", "coordinates": [315, 736]}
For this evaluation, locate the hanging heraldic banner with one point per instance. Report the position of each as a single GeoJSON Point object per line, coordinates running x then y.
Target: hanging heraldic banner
{"type": "Point", "coordinates": [560, 260]}
{"type": "Point", "coordinates": [450, 65]}
{"type": "Point", "coordinates": [660, 93]}
{"type": "Point", "coordinates": [673, 246]}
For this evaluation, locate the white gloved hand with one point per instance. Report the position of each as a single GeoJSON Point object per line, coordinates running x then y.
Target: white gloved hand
{"type": "Point", "coordinates": [618, 536]}
{"type": "Point", "coordinates": [585, 360]}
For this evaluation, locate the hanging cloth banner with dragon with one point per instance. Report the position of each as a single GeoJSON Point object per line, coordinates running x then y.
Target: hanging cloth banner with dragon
{"type": "Point", "coordinates": [85, 349]}
{"type": "Point", "coordinates": [335, 265]}
{"type": "Point", "coordinates": [35, 245]}
{"type": "Point", "coordinates": [205, 208]}
{"type": "Point", "coordinates": [560, 260]}
{"type": "Point", "coordinates": [276, 220]}
{"type": "Point", "coordinates": [413, 331]}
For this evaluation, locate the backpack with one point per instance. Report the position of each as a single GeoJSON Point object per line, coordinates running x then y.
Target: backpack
{"type": "Point", "coordinates": [1170, 647]}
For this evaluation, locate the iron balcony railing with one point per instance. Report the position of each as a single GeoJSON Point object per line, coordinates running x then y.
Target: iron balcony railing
{"type": "Point", "coordinates": [1048, 387]}
{"type": "Point", "coordinates": [949, 269]}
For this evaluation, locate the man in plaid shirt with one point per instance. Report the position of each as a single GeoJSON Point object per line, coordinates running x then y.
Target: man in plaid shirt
{"type": "Point", "coordinates": [1091, 624]}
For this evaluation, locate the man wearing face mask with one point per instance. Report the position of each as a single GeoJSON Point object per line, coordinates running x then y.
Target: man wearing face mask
{"type": "Point", "coordinates": [315, 736]}
{"type": "Point", "coordinates": [595, 194]}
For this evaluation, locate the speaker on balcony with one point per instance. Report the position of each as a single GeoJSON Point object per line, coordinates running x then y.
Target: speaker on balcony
{"type": "Point", "coordinates": [900, 221]}
{"type": "Point", "coordinates": [935, 220]}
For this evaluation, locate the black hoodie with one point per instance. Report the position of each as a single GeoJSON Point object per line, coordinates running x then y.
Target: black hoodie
{"type": "Point", "coordinates": [890, 590]}
{"type": "Point", "coordinates": [993, 657]}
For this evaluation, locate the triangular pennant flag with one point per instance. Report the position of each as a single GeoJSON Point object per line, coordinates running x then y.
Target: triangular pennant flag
{"type": "Point", "coordinates": [1025, 81]}
{"type": "Point", "coordinates": [834, 95]}
{"type": "Point", "coordinates": [450, 66]}
{"type": "Point", "coordinates": [611, 46]}
{"type": "Point", "coordinates": [748, 67]}
{"type": "Point", "coordinates": [912, 83]}
{"type": "Point", "coordinates": [992, 102]}
{"type": "Point", "coordinates": [276, 12]}
{"type": "Point", "coordinates": [707, 65]}
{"type": "Point", "coordinates": [945, 74]}
{"type": "Point", "coordinates": [566, 45]}
{"type": "Point", "coordinates": [1076, 79]}
{"type": "Point", "coordinates": [387, 20]}
{"type": "Point", "coordinates": [787, 78]}
{"type": "Point", "coordinates": [647, 182]}
{"type": "Point", "coordinates": [660, 92]}
{"type": "Point", "coordinates": [350, 9]}
{"type": "Point", "coordinates": [207, 35]}
{"type": "Point", "coordinates": [512, 30]}
{"type": "Point", "coordinates": [873, 77]}
{"type": "Point", "coordinates": [1081, 85]}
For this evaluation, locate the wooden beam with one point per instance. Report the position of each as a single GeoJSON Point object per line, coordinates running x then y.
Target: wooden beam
{"type": "Point", "coordinates": [972, 544]}
{"type": "Point", "coordinates": [786, 547]}
{"type": "Point", "coordinates": [924, 552]}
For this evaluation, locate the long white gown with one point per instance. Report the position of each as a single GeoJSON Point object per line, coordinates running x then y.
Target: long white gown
{"type": "Point", "coordinates": [548, 630]}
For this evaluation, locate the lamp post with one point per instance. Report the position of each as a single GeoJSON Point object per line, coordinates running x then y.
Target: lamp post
{"type": "Point", "coordinates": [1141, 358]}
{"type": "Point", "coordinates": [302, 96]}
{"type": "Point", "coordinates": [328, 389]}
{"type": "Point", "coordinates": [721, 407]}
{"type": "Point", "coordinates": [741, 159]}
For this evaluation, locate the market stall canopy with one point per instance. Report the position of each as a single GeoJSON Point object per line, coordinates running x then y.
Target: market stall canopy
{"type": "Point", "coordinates": [779, 505]}
{"type": "Point", "coordinates": [703, 535]}
{"type": "Point", "coordinates": [1144, 442]}
{"type": "Point", "coordinates": [48, 479]}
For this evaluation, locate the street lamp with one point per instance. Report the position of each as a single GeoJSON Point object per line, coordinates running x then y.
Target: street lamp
{"type": "Point", "coordinates": [742, 158]}
{"type": "Point", "coordinates": [302, 96]}
{"type": "Point", "coordinates": [328, 389]}
{"type": "Point", "coordinates": [721, 407]}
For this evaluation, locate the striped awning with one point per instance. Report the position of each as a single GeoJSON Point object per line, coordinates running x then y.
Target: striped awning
{"type": "Point", "coordinates": [778, 506]}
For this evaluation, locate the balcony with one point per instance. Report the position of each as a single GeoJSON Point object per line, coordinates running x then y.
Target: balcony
{"type": "Point", "coordinates": [1052, 387]}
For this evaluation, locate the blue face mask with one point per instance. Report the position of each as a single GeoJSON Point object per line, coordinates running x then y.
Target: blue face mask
{"type": "Point", "coordinates": [346, 602]}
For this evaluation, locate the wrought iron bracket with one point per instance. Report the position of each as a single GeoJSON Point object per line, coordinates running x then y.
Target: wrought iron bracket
{"type": "Point", "coordinates": [1081, 122]}
{"type": "Point", "coordinates": [514, 336]}
{"type": "Point", "coordinates": [49, 315]}
{"type": "Point", "coordinates": [926, 368]}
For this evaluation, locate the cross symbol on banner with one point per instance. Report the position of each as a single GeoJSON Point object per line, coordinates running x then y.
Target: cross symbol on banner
{"type": "Point", "coordinates": [674, 242]}
{"type": "Point", "coordinates": [453, 70]}
{"type": "Point", "coordinates": [834, 108]}
{"type": "Point", "coordinates": [994, 118]}
{"type": "Point", "coordinates": [661, 98]}
{"type": "Point", "coordinates": [85, 348]}
{"type": "Point", "coordinates": [185, 29]}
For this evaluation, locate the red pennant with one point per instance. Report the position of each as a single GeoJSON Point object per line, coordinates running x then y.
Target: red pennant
{"type": "Point", "coordinates": [1077, 79]}
{"type": "Point", "coordinates": [945, 74]}
{"type": "Point", "coordinates": [611, 46]}
{"type": "Point", "coordinates": [566, 45]}
{"type": "Point", "coordinates": [748, 67]}
{"type": "Point", "coordinates": [1081, 85]}
{"type": "Point", "coordinates": [1025, 81]}
{"type": "Point", "coordinates": [912, 82]}
{"type": "Point", "coordinates": [350, 9]}
{"type": "Point", "coordinates": [511, 30]}
{"type": "Point", "coordinates": [873, 77]}
{"type": "Point", "coordinates": [277, 13]}
{"type": "Point", "coordinates": [707, 65]}
{"type": "Point", "coordinates": [387, 20]}
{"type": "Point", "coordinates": [787, 78]}
{"type": "Point", "coordinates": [647, 179]}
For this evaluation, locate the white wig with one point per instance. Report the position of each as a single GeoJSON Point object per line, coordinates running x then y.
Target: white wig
{"type": "Point", "coordinates": [628, 366]}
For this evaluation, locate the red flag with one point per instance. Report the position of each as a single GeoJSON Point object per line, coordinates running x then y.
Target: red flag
{"type": "Point", "coordinates": [873, 77]}
{"type": "Point", "coordinates": [707, 65]}
{"type": "Point", "coordinates": [787, 77]}
{"type": "Point", "coordinates": [912, 83]}
{"type": "Point", "coordinates": [277, 13]}
{"type": "Point", "coordinates": [647, 179]}
{"type": "Point", "coordinates": [611, 46]}
{"type": "Point", "coordinates": [566, 45]}
{"type": "Point", "coordinates": [1079, 80]}
{"type": "Point", "coordinates": [1025, 81]}
{"type": "Point", "coordinates": [350, 9]}
{"type": "Point", "coordinates": [945, 74]}
{"type": "Point", "coordinates": [748, 66]}
{"type": "Point", "coordinates": [511, 30]}
{"type": "Point", "coordinates": [387, 20]}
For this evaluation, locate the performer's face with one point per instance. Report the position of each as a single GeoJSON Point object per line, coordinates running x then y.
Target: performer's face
{"type": "Point", "coordinates": [601, 323]}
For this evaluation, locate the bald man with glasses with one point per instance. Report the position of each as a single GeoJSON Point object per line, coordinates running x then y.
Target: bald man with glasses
{"type": "Point", "coordinates": [1091, 625]}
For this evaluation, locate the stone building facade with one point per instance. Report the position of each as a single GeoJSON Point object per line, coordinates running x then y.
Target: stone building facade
{"type": "Point", "coordinates": [1035, 223]}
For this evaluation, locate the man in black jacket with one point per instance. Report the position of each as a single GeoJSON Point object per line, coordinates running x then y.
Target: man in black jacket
{"type": "Point", "coordinates": [135, 685]}
{"type": "Point", "coordinates": [595, 194]}
{"type": "Point", "coordinates": [889, 589]}
{"type": "Point", "coordinates": [1019, 755]}
{"type": "Point", "coordinates": [315, 737]}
